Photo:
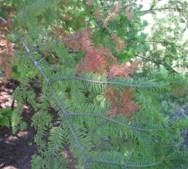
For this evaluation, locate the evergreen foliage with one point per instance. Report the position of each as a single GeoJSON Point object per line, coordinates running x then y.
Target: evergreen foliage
{"type": "Point", "coordinates": [111, 114]}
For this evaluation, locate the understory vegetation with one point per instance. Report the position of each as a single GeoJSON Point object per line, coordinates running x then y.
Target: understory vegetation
{"type": "Point", "coordinates": [101, 88]}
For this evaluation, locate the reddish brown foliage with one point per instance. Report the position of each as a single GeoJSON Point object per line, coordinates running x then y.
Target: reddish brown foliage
{"type": "Point", "coordinates": [73, 44]}
{"type": "Point", "coordinates": [112, 14]}
{"type": "Point", "coordinates": [92, 62]}
{"type": "Point", "coordinates": [85, 41]}
{"type": "Point", "coordinates": [70, 41]}
{"type": "Point", "coordinates": [89, 2]}
{"type": "Point", "coordinates": [6, 53]}
{"type": "Point", "coordinates": [128, 106]}
{"type": "Point", "coordinates": [120, 44]}
{"type": "Point", "coordinates": [79, 41]}
{"type": "Point", "coordinates": [119, 70]}
{"type": "Point", "coordinates": [123, 70]}
{"type": "Point", "coordinates": [129, 13]}
{"type": "Point", "coordinates": [97, 13]}
{"type": "Point", "coordinates": [121, 102]}
{"type": "Point", "coordinates": [100, 60]}
{"type": "Point", "coordinates": [57, 32]}
{"type": "Point", "coordinates": [67, 18]}
{"type": "Point", "coordinates": [179, 91]}
{"type": "Point", "coordinates": [96, 59]}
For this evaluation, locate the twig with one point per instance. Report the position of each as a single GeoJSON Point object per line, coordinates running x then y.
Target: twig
{"type": "Point", "coordinates": [158, 9]}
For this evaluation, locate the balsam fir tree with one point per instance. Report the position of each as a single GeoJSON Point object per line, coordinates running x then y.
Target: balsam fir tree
{"type": "Point", "coordinates": [106, 104]}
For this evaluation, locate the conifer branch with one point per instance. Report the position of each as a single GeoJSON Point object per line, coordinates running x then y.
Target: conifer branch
{"type": "Point", "coordinates": [127, 165]}
{"type": "Point", "coordinates": [125, 83]}
{"type": "Point", "coordinates": [54, 95]}
{"type": "Point", "coordinates": [113, 121]}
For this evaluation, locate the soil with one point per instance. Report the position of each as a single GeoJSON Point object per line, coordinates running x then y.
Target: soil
{"type": "Point", "coordinates": [15, 150]}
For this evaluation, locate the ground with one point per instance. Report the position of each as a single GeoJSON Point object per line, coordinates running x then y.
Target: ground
{"type": "Point", "coordinates": [15, 150]}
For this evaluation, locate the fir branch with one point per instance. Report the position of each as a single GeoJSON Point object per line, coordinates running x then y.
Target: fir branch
{"type": "Point", "coordinates": [126, 165]}
{"type": "Point", "coordinates": [125, 83]}
{"type": "Point", "coordinates": [54, 95]}
{"type": "Point", "coordinates": [113, 121]}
